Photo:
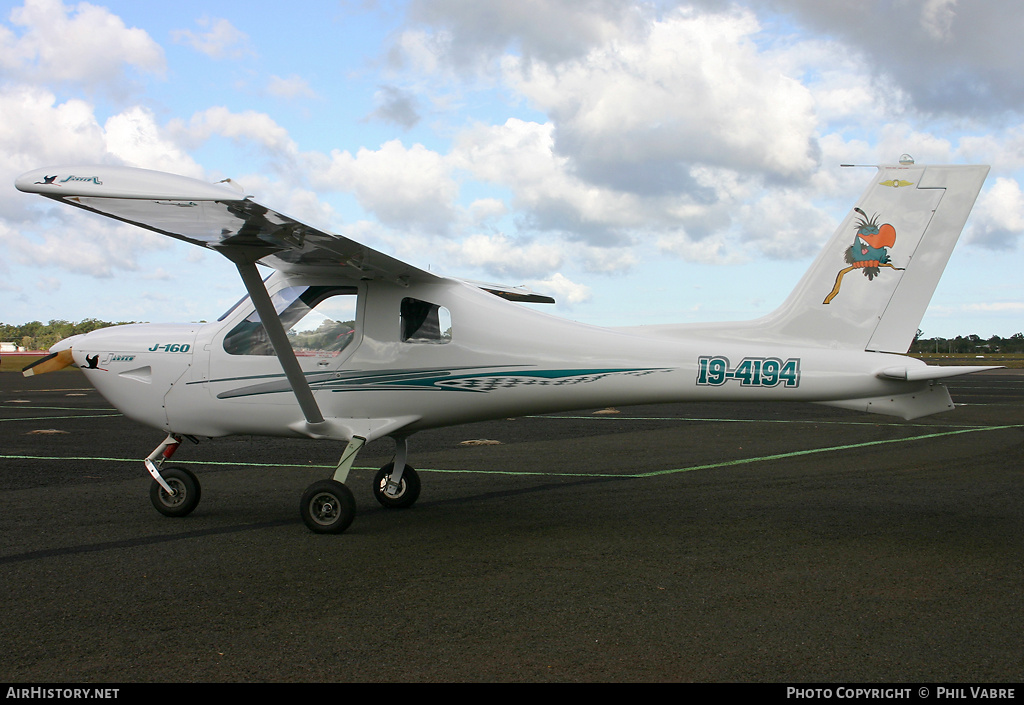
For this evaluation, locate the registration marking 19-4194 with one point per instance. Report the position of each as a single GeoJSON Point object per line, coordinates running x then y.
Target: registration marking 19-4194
{"type": "Point", "coordinates": [750, 372]}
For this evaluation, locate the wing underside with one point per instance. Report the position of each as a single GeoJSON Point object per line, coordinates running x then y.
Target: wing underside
{"type": "Point", "coordinates": [221, 217]}
{"type": "Point", "coordinates": [283, 242]}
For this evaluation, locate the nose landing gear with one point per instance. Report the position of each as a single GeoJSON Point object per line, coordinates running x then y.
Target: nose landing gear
{"type": "Point", "coordinates": [184, 496]}
{"type": "Point", "coordinates": [175, 491]}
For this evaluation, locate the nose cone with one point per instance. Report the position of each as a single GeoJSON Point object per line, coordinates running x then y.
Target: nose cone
{"type": "Point", "coordinates": [68, 343]}
{"type": "Point", "coordinates": [135, 366]}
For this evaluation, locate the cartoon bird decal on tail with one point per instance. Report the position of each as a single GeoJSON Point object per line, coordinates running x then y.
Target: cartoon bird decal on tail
{"type": "Point", "coordinates": [869, 251]}
{"type": "Point", "coordinates": [870, 247]}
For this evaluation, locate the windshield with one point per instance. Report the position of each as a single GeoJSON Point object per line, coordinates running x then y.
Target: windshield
{"type": "Point", "coordinates": [319, 320]}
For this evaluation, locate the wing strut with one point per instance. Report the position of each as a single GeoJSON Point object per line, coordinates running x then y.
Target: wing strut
{"type": "Point", "coordinates": [245, 261]}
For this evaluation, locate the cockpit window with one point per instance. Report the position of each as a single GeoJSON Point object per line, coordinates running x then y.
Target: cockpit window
{"type": "Point", "coordinates": [424, 322]}
{"type": "Point", "coordinates": [320, 321]}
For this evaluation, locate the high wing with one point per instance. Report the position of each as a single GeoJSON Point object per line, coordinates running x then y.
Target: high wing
{"type": "Point", "coordinates": [221, 217]}
{"type": "Point", "coordinates": [216, 216]}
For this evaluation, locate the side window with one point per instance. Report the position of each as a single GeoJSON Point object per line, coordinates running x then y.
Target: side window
{"type": "Point", "coordinates": [320, 321]}
{"type": "Point", "coordinates": [424, 322]}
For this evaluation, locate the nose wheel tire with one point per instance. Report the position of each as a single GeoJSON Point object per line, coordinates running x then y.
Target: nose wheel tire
{"type": "Point", "coordinates": [186, 493]}
{"type": "Point", "coordinates": [327, 507]}
{"type": "Point", "coordinates": [408, 487]}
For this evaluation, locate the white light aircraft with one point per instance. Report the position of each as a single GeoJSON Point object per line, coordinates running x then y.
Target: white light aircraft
{"type": "Point", "coordinates": [345, 343]}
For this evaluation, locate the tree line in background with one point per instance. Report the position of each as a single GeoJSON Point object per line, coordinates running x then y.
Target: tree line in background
{"type": "Point", "coordinates": [968, 344]}
{"type": "Point", "coordinates": [40, 336]}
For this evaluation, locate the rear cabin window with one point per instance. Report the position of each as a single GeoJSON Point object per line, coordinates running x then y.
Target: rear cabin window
{"type": "Point", "coordinates": [424, 322]}
{"type": "Point", "coordinates": [320, 321]}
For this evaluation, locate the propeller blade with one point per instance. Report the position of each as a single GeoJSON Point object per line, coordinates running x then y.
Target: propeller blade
{"type": "Point", "coordinates": [50, 363]}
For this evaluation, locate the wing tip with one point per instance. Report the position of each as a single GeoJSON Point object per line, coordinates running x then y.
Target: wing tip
{"type": "Point", "coordinates": [108, 181]}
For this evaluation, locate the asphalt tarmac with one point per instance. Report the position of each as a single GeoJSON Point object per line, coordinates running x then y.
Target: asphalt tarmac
{"type": "Point", "coordinates": [696, 543]}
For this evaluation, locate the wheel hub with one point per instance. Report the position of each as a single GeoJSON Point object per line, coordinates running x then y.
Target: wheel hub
{"type": "Point", "coordinates": [391, 490]}
{"type": "Point", "coordinates": [177, 494]}
{"type": "Point", "coordinates": [324, 509]}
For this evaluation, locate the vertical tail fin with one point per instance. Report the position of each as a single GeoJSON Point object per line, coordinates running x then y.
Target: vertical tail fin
{"type": "Point", "coordinates": [870, 286]}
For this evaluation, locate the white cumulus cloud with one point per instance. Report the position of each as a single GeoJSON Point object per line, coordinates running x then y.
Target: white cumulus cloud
{"type": "Point", "coordinates": [402, 186]}
{"type": "Point", "coordinates": [998, 218]}
{"type": "Point", "coordinates": [86, 44]}
{"type": "Point", "coordinates": [217, 39]}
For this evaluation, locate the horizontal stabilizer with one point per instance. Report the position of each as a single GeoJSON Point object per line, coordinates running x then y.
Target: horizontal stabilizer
{"type": "Point", "coordinates": [917, 374]}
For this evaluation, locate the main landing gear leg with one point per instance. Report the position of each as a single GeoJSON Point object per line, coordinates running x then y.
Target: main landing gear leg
{"type": "Point", "coordinates": [174, 491]}
{"type": "Point", "coordinates": [397, 485]}
{"type": "Point", "coordinates": [327, 506]}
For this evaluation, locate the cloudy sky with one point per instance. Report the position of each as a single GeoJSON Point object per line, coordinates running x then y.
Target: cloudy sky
{"type": "Point", "coordinates": [647, 162]}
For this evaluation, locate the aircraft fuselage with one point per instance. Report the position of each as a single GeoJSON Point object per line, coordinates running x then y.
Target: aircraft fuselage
{"type": "Point", "coordinates": [497, 359]}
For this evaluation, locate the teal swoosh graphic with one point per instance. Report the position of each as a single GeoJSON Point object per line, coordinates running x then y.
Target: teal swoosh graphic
{"type": "Point", "coordinates": [437, 380]}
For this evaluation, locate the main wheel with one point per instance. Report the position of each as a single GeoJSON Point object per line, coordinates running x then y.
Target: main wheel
{"type": "Point", "coordinates": [408, 487]}
{"type": "Point", "coordinates": [328, 507]}
{"type": "Point", "coordinates": [186, 492]}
